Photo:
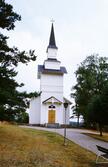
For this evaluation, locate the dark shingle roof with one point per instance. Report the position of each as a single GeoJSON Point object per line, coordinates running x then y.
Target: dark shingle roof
{"type": "Point", "coordinates": [41, 69]}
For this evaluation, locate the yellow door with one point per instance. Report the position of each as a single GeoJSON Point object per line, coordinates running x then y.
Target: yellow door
{"type": "Point", "coordinates": [51, 116]}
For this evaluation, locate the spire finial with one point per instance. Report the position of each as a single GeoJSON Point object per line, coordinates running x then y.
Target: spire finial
{"type": "Point", "coordinates": [52, 20]}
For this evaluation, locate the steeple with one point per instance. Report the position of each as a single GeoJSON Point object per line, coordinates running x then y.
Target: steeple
{"type": "Point", "coordinates": [52, 48]}
{"type": "Point", "coordinates": [52, 42]}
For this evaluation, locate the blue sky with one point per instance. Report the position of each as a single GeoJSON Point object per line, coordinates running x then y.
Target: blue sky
{"type": "Point", "coordinates": [81, 29]}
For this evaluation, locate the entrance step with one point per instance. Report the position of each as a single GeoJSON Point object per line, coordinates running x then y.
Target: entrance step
{"type": "Point", "coordinates": [52, 125]}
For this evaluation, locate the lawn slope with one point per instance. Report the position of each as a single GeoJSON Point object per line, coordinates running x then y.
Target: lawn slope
{"type": "Point", "coordinates": [97, 136]}
{"type": "Point", "coordinates": [21, 147]}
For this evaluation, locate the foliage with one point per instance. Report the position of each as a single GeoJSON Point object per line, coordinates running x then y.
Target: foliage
{"type": "Point", "coordinates": [90, 90]}
{"type": "Point", "coordinates": [7, 16]}
{"type": "Point", "coordinates": [98, 109]}
{"type": "Point", "coordinates": [22, 117]}
{"type": "Point", "coordinates": [11, 100]}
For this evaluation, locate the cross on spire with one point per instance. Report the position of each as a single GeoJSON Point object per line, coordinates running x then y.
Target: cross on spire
{"type": "Point", "coordinates": [52, 20]}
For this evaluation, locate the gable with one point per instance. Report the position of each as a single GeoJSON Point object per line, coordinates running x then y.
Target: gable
{"type": "Point", "coordinates": [52, 100]}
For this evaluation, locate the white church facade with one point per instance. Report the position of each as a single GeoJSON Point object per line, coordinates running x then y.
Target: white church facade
{"type": "Point", "coordinates": [48, 108]}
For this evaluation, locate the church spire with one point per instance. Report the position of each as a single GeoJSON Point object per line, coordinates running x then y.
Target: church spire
{"type": "Point", "coordinates": [52, 42]}
{"type": "Point", "coordinates": [52, 48]}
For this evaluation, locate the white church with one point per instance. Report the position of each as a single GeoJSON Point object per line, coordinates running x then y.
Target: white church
{"type": "Point", "coordinates": [50, 108]}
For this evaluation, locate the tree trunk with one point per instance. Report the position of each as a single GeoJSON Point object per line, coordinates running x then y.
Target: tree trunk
{"type": "Point", "coordinates": [78, 120]}
{"type": "Point", "coordinates": [100, 129]}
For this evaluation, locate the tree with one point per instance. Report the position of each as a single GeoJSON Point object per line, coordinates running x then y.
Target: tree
{"type": "Point", "coordinates": [11, 100]}
{"type": "Point", "coordinates": [97, 110]}
{"type": "Point", "coordinates": [91, 76]}
{"type": "Point", "coordinates": [22, 117]}
{"type": "Point", "coordinates": [76, 108]}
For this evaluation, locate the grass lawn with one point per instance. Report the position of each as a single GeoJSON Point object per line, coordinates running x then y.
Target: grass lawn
{"type": "Point", "coordinates": [97, 136]}
{"type": "Point", "coordinates": [22, 147]}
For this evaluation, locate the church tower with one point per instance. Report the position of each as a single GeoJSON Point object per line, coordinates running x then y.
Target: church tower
{"type": "Point", "coordinates": [48, 107]}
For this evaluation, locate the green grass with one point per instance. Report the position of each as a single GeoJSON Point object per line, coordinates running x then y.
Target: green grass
{"type": "Point", "coordinates": [21, 147]}
{"type": "Point", "coordinates": [97, 136]}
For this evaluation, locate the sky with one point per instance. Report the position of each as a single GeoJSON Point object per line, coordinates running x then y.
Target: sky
{"type": "Point", "coordinates": [81, 29]}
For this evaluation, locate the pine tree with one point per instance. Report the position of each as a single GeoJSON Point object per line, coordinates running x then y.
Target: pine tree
{"type": "Point", "coordinates": [12, 102]}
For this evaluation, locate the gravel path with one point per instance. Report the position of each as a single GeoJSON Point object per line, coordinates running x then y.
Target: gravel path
{"type": "Point", "coordinates": [77, 137]}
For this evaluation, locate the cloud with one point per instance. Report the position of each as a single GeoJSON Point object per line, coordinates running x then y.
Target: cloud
{"type": "Point", "coordinates": [81, 29]}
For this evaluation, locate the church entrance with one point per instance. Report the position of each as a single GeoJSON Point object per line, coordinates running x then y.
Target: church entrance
{"type": "Point", "coordinates": [51, 116]}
